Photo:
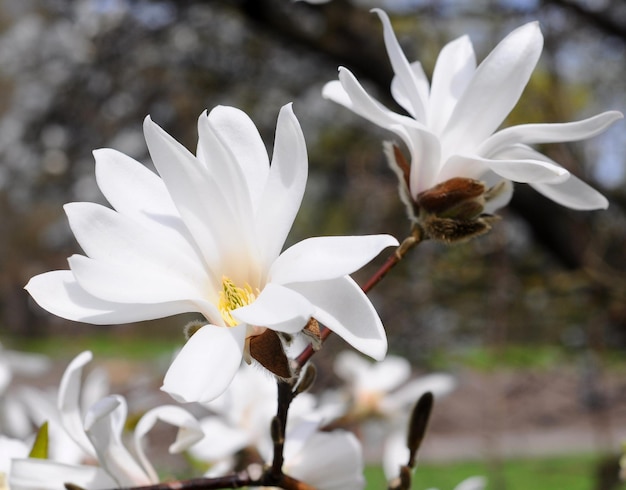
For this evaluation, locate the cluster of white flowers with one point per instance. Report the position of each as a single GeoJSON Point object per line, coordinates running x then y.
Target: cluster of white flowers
{"type": "Point", "coordinates": [206, 235]}
{"type": "Point", "coordinates": [90, 423]}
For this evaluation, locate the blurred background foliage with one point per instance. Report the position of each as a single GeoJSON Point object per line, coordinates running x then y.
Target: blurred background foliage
{"type": "Point", "coordinates": [82, 74]}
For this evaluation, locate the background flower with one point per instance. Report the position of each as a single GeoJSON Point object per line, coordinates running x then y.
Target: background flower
{"type": "Point", "coordinates": [451, 126]}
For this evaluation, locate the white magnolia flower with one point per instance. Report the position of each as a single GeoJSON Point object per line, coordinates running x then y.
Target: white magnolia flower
{"type": "Point", "coordinates": [99, 433]}
{"type": "Point", "coordinates": [206, 237]}
{"type": "Point", "coordinates": [325, 460]}
{"type": "Point", "coordinates": [384, 388]}
{"type": "Point", "coordinates": [451, 129]}
{"type": "Point", "coordinates": [241, 419]}
{"type": "Point", "coordinates": [13, 417]}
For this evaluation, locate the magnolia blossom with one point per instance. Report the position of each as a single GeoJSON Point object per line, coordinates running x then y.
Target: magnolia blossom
{"type": "Point", "coordinates": [324, 460]}
{"type": "Point", "coordinates": [99, 433]}
{"type": "Point", "coordinates": [241, 416]}
{"type": "Point", "coordinates": [13, 417]}
{"type": "Point", "coordinates": [383, 388]}
{"type": "Point", "coordinates": [207, 237]}
{"type": "Point", "coordinates": [451, 126]}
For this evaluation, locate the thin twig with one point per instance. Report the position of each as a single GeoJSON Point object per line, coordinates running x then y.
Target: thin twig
{"type": "Point", "coordinates": [416, 237]}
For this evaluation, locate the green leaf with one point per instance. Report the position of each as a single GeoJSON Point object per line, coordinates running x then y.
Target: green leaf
{"type": "Point", "coordinates": [40, 446]}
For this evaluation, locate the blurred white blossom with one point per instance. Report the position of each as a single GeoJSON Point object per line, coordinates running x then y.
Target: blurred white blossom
{"type": "Point", "coordinates": [98, 431]}
{"type": "Point", "coordinates": [384, 388]}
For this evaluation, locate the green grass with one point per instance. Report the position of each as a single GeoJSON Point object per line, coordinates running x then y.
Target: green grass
{"type": "Point", "coordinates": [101, 344]}
{"type": "Point", "coordinates": [575, 472]}
{"type": "Point", "coordinates": [506, 357]}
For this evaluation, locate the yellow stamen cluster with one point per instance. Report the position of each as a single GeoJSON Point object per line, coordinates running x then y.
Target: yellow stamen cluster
{"type": "Point", "coordinates": [233, 297]}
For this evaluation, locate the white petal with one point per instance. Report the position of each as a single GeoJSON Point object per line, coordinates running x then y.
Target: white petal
{"type": "Point", "coordinates": [138, 285]}
{"type": "Point", "coordinates": [237, 132]}
{"type": "Point", "coordinates": [512, 168]}
{"type": "Point", "coordinates": [226, 146]}
{"type": "Point", "coordinates": [574, 194]}
{"type": "Point", "coordinates": [189, 432]}
{"type": "Point", "coordinates": [281, 198]}
{"type": "Point", "coordinates": [321, 258]}
{"type": "Point", "coordinates": [454, 69]}
{"type": "Point", "coordinates": [59, 293]}
{"type": "Point", "coordinates": [355, 98]}
{"type": "Point", "coordinates": [439, 384]}
{"type": "Point", "coordinates": [329, 461]}
{"type": "Point", "coordinates": [571, 192]}
{"type": "Point", "coordinates": [117, 239]}
{"type": "Point", "coordinates": [548, 133]}
{"type": "Point", "coordinates": [349, 365]}
{"type": "Point", "coordinates": [43, 474]}
{"type": "Point", "coordinates": [131, 188]}
{"type": "Point", "coordinates": [359, 325]}
{"type": "Point", "coordinates": [277, 308]}
{"type": "Point", "coordinates": [68, 402]}
{"type": "Point", "coordinates": [422, 87]}
{"type": "Point", "coordinates": [495, 88]}
{"type": "Point", "coordinates": [504, 195]}
{"type": "Point", "coordinates": [407, 82]}
{"type": "Point", "coordinates": [220, 440]}
{"type": "Point", "coordinates": [395, 454]}
{"type": "Point", "coordinates": [104, 424]}
{"type": "Point", "coordinates": [472, 483]}
{"type": "Point", "coordinates": [206, 364]}
{"type": "Point", "coordinates": [425, 149]}
{"type": "Point", "coordinates": [385, 375]}
{"type": "Point", "coordinates": [201, 202]}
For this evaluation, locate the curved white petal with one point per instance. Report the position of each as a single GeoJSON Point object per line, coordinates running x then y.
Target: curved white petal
{"type": "Point", "coordinates": [354, 97]}
{"type": "Point", "coordinates": [234, 157]}
{"type": "Point", "coordinates": [439, 384]}
{"type": "Point", "coordinates": [385, 375]}
{"type": "Point", "coordinates": [131, 188]}
{"type": "Point", "coordinates": [278, 308]}
{"type": "Point", "coordinates": [104, 424]}
{"type": "Point", "coordinates": [281, 197]}
{"type": "Point", "coordinates": [198, 197]}
{"type": "Point", "coordinates": [350, 366]}
{"type": "Point", "coordinates": [504, 195]}
{"type": "Point", "coordinates": [68, 402]}
{"type": "Point", "coordinates": [453, 71]}
{"type": "Point", "coordinates": [422, 87]}
{"type": "Point", "coordinates": [206, 364]}
{"type": "Point", "coordinates": [495, 88]}
{"type": "Point", "coordinates": [239, 135]}
{"type": "Point", "coordinates": [189, 432]}
{"type": "Point", "coordinates": [220, 440]}
{"type": "Point", "coordinates": [425, 149]}
{"type": "Point", "coordinates": [407, 82]}
{"type": "Point", "coordinates": [43, 474]}
{"type": "Point", "coordinates": [472, 483]}
{"type": "Point", "coordinates": [114, 238]}
{"type": "Point", "coordinates": [359, 325]}
{"type": "Point", "coordinates": [516, 169]}
{"type": "Point", "coordinates": [395, 454]}
{"type": "Point", "coordinates": [138, 285]}
{"type": "Point", "coordinates": [321, 258]}
{"type": "Point", "coordinates": [59, 293]}
{"type": "Point", "coordinates": [548, 133]}
{"type": "Point", "coordinates": [328, 461]}
{"type": "Point", "coordinates": [574, 194]}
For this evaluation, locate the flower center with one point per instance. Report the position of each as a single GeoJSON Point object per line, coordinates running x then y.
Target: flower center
{"type": "Point", "coordinates": [233, 297]}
